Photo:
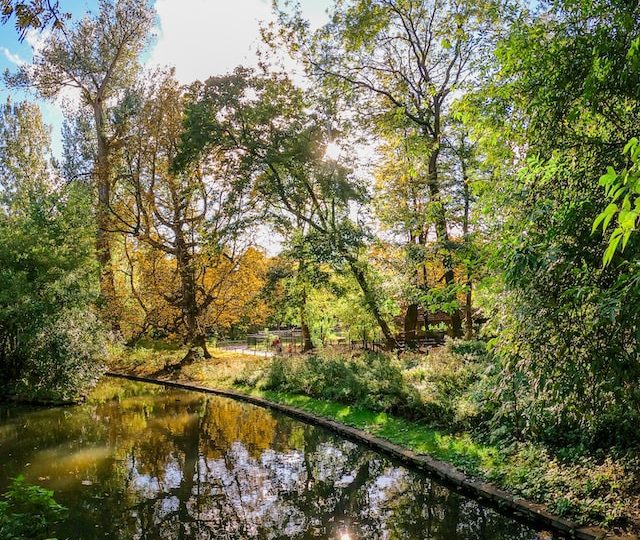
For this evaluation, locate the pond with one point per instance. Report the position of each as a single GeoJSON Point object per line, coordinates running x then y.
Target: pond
{"type": "Point", "coordinates": [142, 461]}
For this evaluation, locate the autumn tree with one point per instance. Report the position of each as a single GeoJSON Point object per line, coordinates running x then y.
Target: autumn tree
{"type": "Point", "coordinates": [151, 280]}
{"type": "Point", "coordinates": [195, 217]}
{"type": "Point", "coordinates": [96, 59]}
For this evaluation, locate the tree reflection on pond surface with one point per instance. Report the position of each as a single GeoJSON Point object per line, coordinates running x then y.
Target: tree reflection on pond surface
{"type": "Point", "coordinates": [140, 461]}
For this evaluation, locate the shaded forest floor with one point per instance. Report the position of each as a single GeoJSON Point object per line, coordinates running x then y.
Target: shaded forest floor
{"type": "Point", "coordinates": [414, 403]}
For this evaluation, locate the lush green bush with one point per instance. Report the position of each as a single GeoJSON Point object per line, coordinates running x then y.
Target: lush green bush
{"type": "Point", "coordinates": [449, 381]}
{"type": "Point", "coordinates": [63, 358]}
{"type": "Point", "coordinates": [439, 387]}
{"type": "Point", "coordinates": [28, 512]}
{"type": "Point", "coordinates": [371, 380]}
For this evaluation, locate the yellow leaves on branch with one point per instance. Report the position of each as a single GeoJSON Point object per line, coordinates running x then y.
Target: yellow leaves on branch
{"type": "Point", "coordinates": [148, 284]}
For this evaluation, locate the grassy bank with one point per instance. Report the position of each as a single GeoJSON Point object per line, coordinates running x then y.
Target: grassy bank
{"type": "Point", "coordinates": [437, 405]}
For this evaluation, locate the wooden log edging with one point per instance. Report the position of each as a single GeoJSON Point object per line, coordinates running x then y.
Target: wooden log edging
{"type": "Point", "coordinates": [535, 513]}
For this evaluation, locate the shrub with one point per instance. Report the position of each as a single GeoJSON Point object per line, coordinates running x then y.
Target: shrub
{"type": "Point", "coordinates": [28, 512]}
{"type": "Point", "coordinates": [448, 380]}
{"type": "Point", "coordinates": [370, 380]}
{"type": "Point", "coordinates": [441, 387]}
{"type": "Point", "coordinates": [63, 360]}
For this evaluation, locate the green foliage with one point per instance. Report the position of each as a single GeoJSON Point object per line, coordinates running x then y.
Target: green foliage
{"type": "Point", "coordinates": [560, 106]}
{"type": "Point", "coordinates": [28, 512]}
{"type": "Point", "coordinates": [373, 381]}
{"type": "Point", "coordinates": [623, 190]}
{"type": "Point", "coordinates": [273, 134]}
{"type": "Point", "coordinates": [441, 388]}
{"type": "Point", "coordinates": [63, 358]}
{"type": "Point", "coordinates": [49, 339]}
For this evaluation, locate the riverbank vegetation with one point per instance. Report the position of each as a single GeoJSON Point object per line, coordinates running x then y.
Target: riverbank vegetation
{"type": "Point", "coordinates": [467, 167]}
{"type": "Point", "coordinates": [28, 511]}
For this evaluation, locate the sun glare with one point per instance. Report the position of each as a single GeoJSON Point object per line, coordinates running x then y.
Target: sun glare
{"type": "Point", "coordinates": [332, 151]}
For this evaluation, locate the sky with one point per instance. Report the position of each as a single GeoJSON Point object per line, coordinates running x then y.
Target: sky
{"type": "Point", "coordinates": [199, 37]}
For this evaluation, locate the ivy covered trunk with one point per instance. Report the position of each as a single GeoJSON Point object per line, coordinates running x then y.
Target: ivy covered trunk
{"type": "Point", "coordinates": [111, 311]}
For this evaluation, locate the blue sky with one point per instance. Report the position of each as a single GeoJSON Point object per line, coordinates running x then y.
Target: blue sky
{"type": "Point", "coordinates": [13, 51]}
{"type": "Point", "coordinates": [198, 37]}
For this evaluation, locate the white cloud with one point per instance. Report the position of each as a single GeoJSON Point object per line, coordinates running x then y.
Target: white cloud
{"type": "Point", "coordinates": [211, 37]}
{"type": "Point", "coordinates": [206, 37]}
{"type": "Point", "coordinates": [12, 57]}
{"type": "Point", "coordinates": [37, 38]}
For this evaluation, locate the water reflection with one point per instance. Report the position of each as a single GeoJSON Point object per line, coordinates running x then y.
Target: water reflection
{"type": "Point", "coordinates": [139, 461]}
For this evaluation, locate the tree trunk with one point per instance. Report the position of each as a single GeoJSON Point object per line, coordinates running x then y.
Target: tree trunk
{"type": "Point", "coordinates": [195, 337]}
{"type": "Point", "coordinates": [307, 344]}
{"type": "Point", "coordinates": [468, 327]}
{"type": "Point", "coordinates": [373, 304]}
{"type": "Point", "coordinates": [442, 233]}
{"type": "Point", "coordinates": [468, 334]}
{"type": "Point", "coordinates": [410, 325]}
{"type": "Point", "coordinates": [111, 309]}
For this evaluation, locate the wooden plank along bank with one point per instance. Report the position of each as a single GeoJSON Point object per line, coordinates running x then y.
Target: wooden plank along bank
{"type": "Point", "coordinates": [449, 475]}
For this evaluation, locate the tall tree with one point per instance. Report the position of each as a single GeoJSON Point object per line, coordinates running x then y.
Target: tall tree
{"type": "Point", "coordinates": [97, 57]}
{"type": "Point", "coordinates": [400, 62]}
{"type": "Point", "coordinates": [196, 217]}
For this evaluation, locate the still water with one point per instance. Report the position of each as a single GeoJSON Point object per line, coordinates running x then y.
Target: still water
{"type": "Point", "coordinates": [141, 461]}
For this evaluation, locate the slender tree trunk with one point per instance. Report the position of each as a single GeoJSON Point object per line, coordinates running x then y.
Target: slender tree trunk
{"type": "Point", "coordinates": [411, 314]}
{"type": "Point", "coordinates": [468, 333]}
{"type": "Point", "coordinates": [410, 324]}
{"type": "Point", "coordinates": [442, 233]}
{"type": "Point", "coordinates": [307, 344]}
{"type": "Point", "coordinates": [111, 310]}
{"type": "Point", "coordinates": [371, 301]}
{"type": "Point", "coordinates": [468, 326]}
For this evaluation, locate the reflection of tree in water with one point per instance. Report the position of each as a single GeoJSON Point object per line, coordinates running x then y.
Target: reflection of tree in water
{"type": "Point", "coordinates": [236, 471]}
{"type": "Point", "coordinates": [183, 465]}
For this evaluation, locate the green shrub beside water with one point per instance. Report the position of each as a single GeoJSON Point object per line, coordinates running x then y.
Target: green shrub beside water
{"type": "Point", "coordinates": [50, 345]}
{"type": "Point", "coordinates": [28, 512]}
{"type": "Point", "coordinates": [62, 359]}
{"type": "Point", "coordinates": [370, 380]}
{"type": "Point", "coordinates": [442, 387]}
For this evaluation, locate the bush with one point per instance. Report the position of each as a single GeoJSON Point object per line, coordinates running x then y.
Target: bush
{"type": "Point", "coordinates": [449, 380]}
{"type": "Point", "coordinates": [441, 387]}
{"type": "Point", "coordinates": [62, 360]}
{"type": "Point", "coordinates": [370, 380]}
{"type": "Point", "coordinates": [28, 512]}
{"type": "Point", "coordinates": [49, 338]}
